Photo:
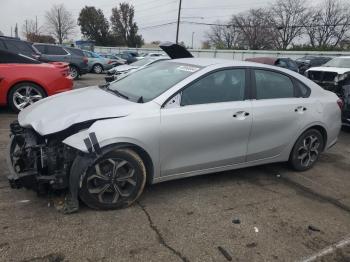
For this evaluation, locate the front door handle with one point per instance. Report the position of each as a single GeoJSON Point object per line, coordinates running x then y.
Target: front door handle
{"type": "Point", "coordinates": [241, 115]}
{"type": "Point", "coordinates": [300, 109]}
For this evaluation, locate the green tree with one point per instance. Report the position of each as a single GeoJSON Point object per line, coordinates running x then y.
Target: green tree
{"type": "Point", "coordinates": [94, 25]}
{"type": "Point", "coordinates": [124, 27]}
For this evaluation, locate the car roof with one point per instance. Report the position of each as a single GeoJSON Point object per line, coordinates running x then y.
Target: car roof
{"type": "Point", "coordinates": [204, 62]}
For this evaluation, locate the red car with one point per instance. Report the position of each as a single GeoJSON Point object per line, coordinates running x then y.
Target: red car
{"type": "Point", "coordinates": [24, 80]}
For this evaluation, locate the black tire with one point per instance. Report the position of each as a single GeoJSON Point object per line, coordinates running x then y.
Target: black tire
{"type": "Point", "coordinates": [102, 184]}
{"type": "Point", "coordinates": [14, 100]}
{"type": "Point", "coordinates": [74, 72]}
{"type": "Point", "coordinates": [97, 69]}
{"type": "Point", "coordinates": [306, 150]}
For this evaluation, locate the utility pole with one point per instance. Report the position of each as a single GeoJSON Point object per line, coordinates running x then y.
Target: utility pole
{"type": "Point", "coordinates": [192, 39]}
{"type": "Point", "coordinates": [178, 23]}
{"type": "Point", "coordinates": [36, 25]}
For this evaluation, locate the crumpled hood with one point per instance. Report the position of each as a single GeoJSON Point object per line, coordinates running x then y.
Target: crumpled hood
{"type": "Point", "coordinates": [57, 113]}
{"type": "Point", "coordinates": [338, 70]}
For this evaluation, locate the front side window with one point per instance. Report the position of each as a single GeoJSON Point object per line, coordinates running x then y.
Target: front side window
{"type": "Point", "coordinates": [150, 82]}
{"type": "Point", "coordinates": [222, 86]}
{"type": "Point", "coordinates": [271, 85]}
{"type": "Point", "coordinates": [40, 48]}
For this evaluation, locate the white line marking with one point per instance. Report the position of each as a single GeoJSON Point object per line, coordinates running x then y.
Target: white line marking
{"type": "Point", "coordinates": [328, 250]}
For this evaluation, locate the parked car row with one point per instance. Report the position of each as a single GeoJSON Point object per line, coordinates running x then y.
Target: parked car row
{"type": "Point", "coordinates": [24, 80]}
{"type": "Point", "coordinates": [78, 63]}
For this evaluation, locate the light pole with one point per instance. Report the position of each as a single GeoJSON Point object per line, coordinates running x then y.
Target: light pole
{"type": "Point", "coordinates": [178, 22]}
{"type": "Point", "coordinates": [192, 39]}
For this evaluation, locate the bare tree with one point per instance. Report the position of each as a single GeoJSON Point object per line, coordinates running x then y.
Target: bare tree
{"type": "Point", "coordinates": [60, 23]}
{"type": "Point", "coordinates": [222, 36]}
{"type": "Point", "coordinates": [253, 28]}
{"type": "Point", "coordinates": [286, 18]}
{"type": "Point", "coordinates": [31, 27]}
{"type": "Point", "coordinates": [328, 24]}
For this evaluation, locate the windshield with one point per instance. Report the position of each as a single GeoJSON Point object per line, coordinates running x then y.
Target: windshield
{"type": "Point", "coordinates": [338, 62]}
{"type": "Point", "coordinates": [142, 62]}
{"type": "Point", "coordinates": [150, 82]}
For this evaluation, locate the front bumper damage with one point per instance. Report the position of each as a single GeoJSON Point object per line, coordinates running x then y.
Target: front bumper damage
{"type": "Point", "coordinates": [46, 165]}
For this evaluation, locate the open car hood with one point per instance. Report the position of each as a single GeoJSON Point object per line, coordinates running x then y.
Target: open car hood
{"type": "Point", "coordinates": [338, 70]}
{"type": "Point", "coordinates": [175, 51]}
{"type": "Point", "coordinates": [59, 112]}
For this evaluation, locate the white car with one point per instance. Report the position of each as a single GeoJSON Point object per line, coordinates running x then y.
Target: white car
{"type": "Point", "coordinates": [174, 119]}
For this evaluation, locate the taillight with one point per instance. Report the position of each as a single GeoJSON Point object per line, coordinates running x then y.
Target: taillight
{"type": "Point", "coordinates": [85, 59]}
{"type": "Point", "coordinates": [340, 103]}
{"type": "Point", "coordinates": [110, 62]}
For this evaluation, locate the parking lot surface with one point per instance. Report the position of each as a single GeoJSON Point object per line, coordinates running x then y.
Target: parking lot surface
{"type": "Point", "coordinates": [265, 213]}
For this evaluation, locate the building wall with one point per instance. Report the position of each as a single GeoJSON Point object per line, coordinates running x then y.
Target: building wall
{"type": "Point", "coordinates": [227, 54]}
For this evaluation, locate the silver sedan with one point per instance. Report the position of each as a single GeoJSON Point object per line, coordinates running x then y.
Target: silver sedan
{"type": "Point", "coordinates": [174, 119]}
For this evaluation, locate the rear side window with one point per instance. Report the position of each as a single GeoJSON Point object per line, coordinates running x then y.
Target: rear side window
{"type": "Point", "coordinates": [303, 89]}
{"type": "Point", "coordinates": [270, 85]}
{"type": "Point", "coordinates": [19, 47]}
{"type": "Point", "coordinates": [2, 46]}
{"type": "Point", "coordinates": [75, 51]}
{"type": "Point", "coordinates": [55, 50]}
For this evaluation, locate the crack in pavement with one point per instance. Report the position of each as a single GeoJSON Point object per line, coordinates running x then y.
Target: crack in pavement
{"type": "Point", "coordinates": [161, 239]}
{"type": "Point", "coordinates": [309, 193]}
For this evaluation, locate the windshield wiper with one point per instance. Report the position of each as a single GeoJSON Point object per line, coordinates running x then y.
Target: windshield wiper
{"type": "Point", "coordinates": [115, 91]}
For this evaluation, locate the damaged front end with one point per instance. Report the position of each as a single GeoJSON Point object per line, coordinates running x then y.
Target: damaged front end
{"type": "Point", "coordinates": [36, 162]}
{"type": "Point", "coordinates": [337, 83]}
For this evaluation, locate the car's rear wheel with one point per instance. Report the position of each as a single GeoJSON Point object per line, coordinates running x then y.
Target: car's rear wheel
{"type": "Point", "coordinates": [97, 69]}
{"type": "Point", "coordinates": [74, 72]}
{"type": "Point", "coordinates": [114, 181]}
{"type": "Point", "coordinates": [306, 150]}
{"type": "Point", "coordinates": [23, 95]}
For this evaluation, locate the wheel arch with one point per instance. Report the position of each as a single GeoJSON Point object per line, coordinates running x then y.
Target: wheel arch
{"type": "Point", "coordinates": [22, 82]}
{"type": "Point", "coordinates": [145, 156]}
{"type": "Point", "coordinates": [323, 132]}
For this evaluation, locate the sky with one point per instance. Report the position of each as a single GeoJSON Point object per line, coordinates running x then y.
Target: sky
{"type": "Point", "coordinates": [147, 14]}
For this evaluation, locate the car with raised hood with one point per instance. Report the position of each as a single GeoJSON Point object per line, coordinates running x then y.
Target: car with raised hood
{"type": "Point", "coordinates": [24, 81]}
{"type": "Point", "coordinates": [117, 71]}
{"type": "Point", "coordinates": [335, 76]}
{"type": "Point", "coordinates": [178, 118]}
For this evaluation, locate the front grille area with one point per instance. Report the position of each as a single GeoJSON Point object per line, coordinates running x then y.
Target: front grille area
{"type": "Point", "coordinates": [320, 76]}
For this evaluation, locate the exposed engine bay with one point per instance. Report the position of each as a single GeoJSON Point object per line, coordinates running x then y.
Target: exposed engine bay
{"type": "Point", "coordinates": [38, 163]}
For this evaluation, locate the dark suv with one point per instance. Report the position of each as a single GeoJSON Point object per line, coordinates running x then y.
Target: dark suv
{"type": "Point", "coordinates": [18, 46]}
{"type": "Point", "coordinates": [76, 59]}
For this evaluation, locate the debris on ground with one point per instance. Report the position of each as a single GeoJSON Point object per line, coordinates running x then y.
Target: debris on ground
{"type": "Point", "coordinates": [313, 228]}
{"type": "Point", "coordinates": [256, 230]}
{"type": "Point", "coordinates": [251, 245]}
{"type": "Point", "coordinates": [236, 221]}
{"type": "Point", "coordinates": [225, 253]}
{"type": "Point", "coordinates": [24, 201]}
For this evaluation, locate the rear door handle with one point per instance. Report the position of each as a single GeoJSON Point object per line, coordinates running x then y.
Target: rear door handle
{"type": "Point", "coordinates": [241, 115]}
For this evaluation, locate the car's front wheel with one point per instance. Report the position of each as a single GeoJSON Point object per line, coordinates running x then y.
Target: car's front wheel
{"type": "Point", "coordinates": [115, 180]}
{"type": "Point", "coordinates": [306, 150]}
{"type": "Point", "coordinates": [23, 95]}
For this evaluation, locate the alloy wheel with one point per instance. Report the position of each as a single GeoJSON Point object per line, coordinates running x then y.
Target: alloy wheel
{"type": "Point", "coordinates": [309, 150]}
{"type": "Point", "coordinates": [73, 72]}
{"type": "Point", "coordinates": [98, 69]}
{"type": "Point", "coordinates": [25, 96]}
{"type": "Point", "coordinates": [111, 180]}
